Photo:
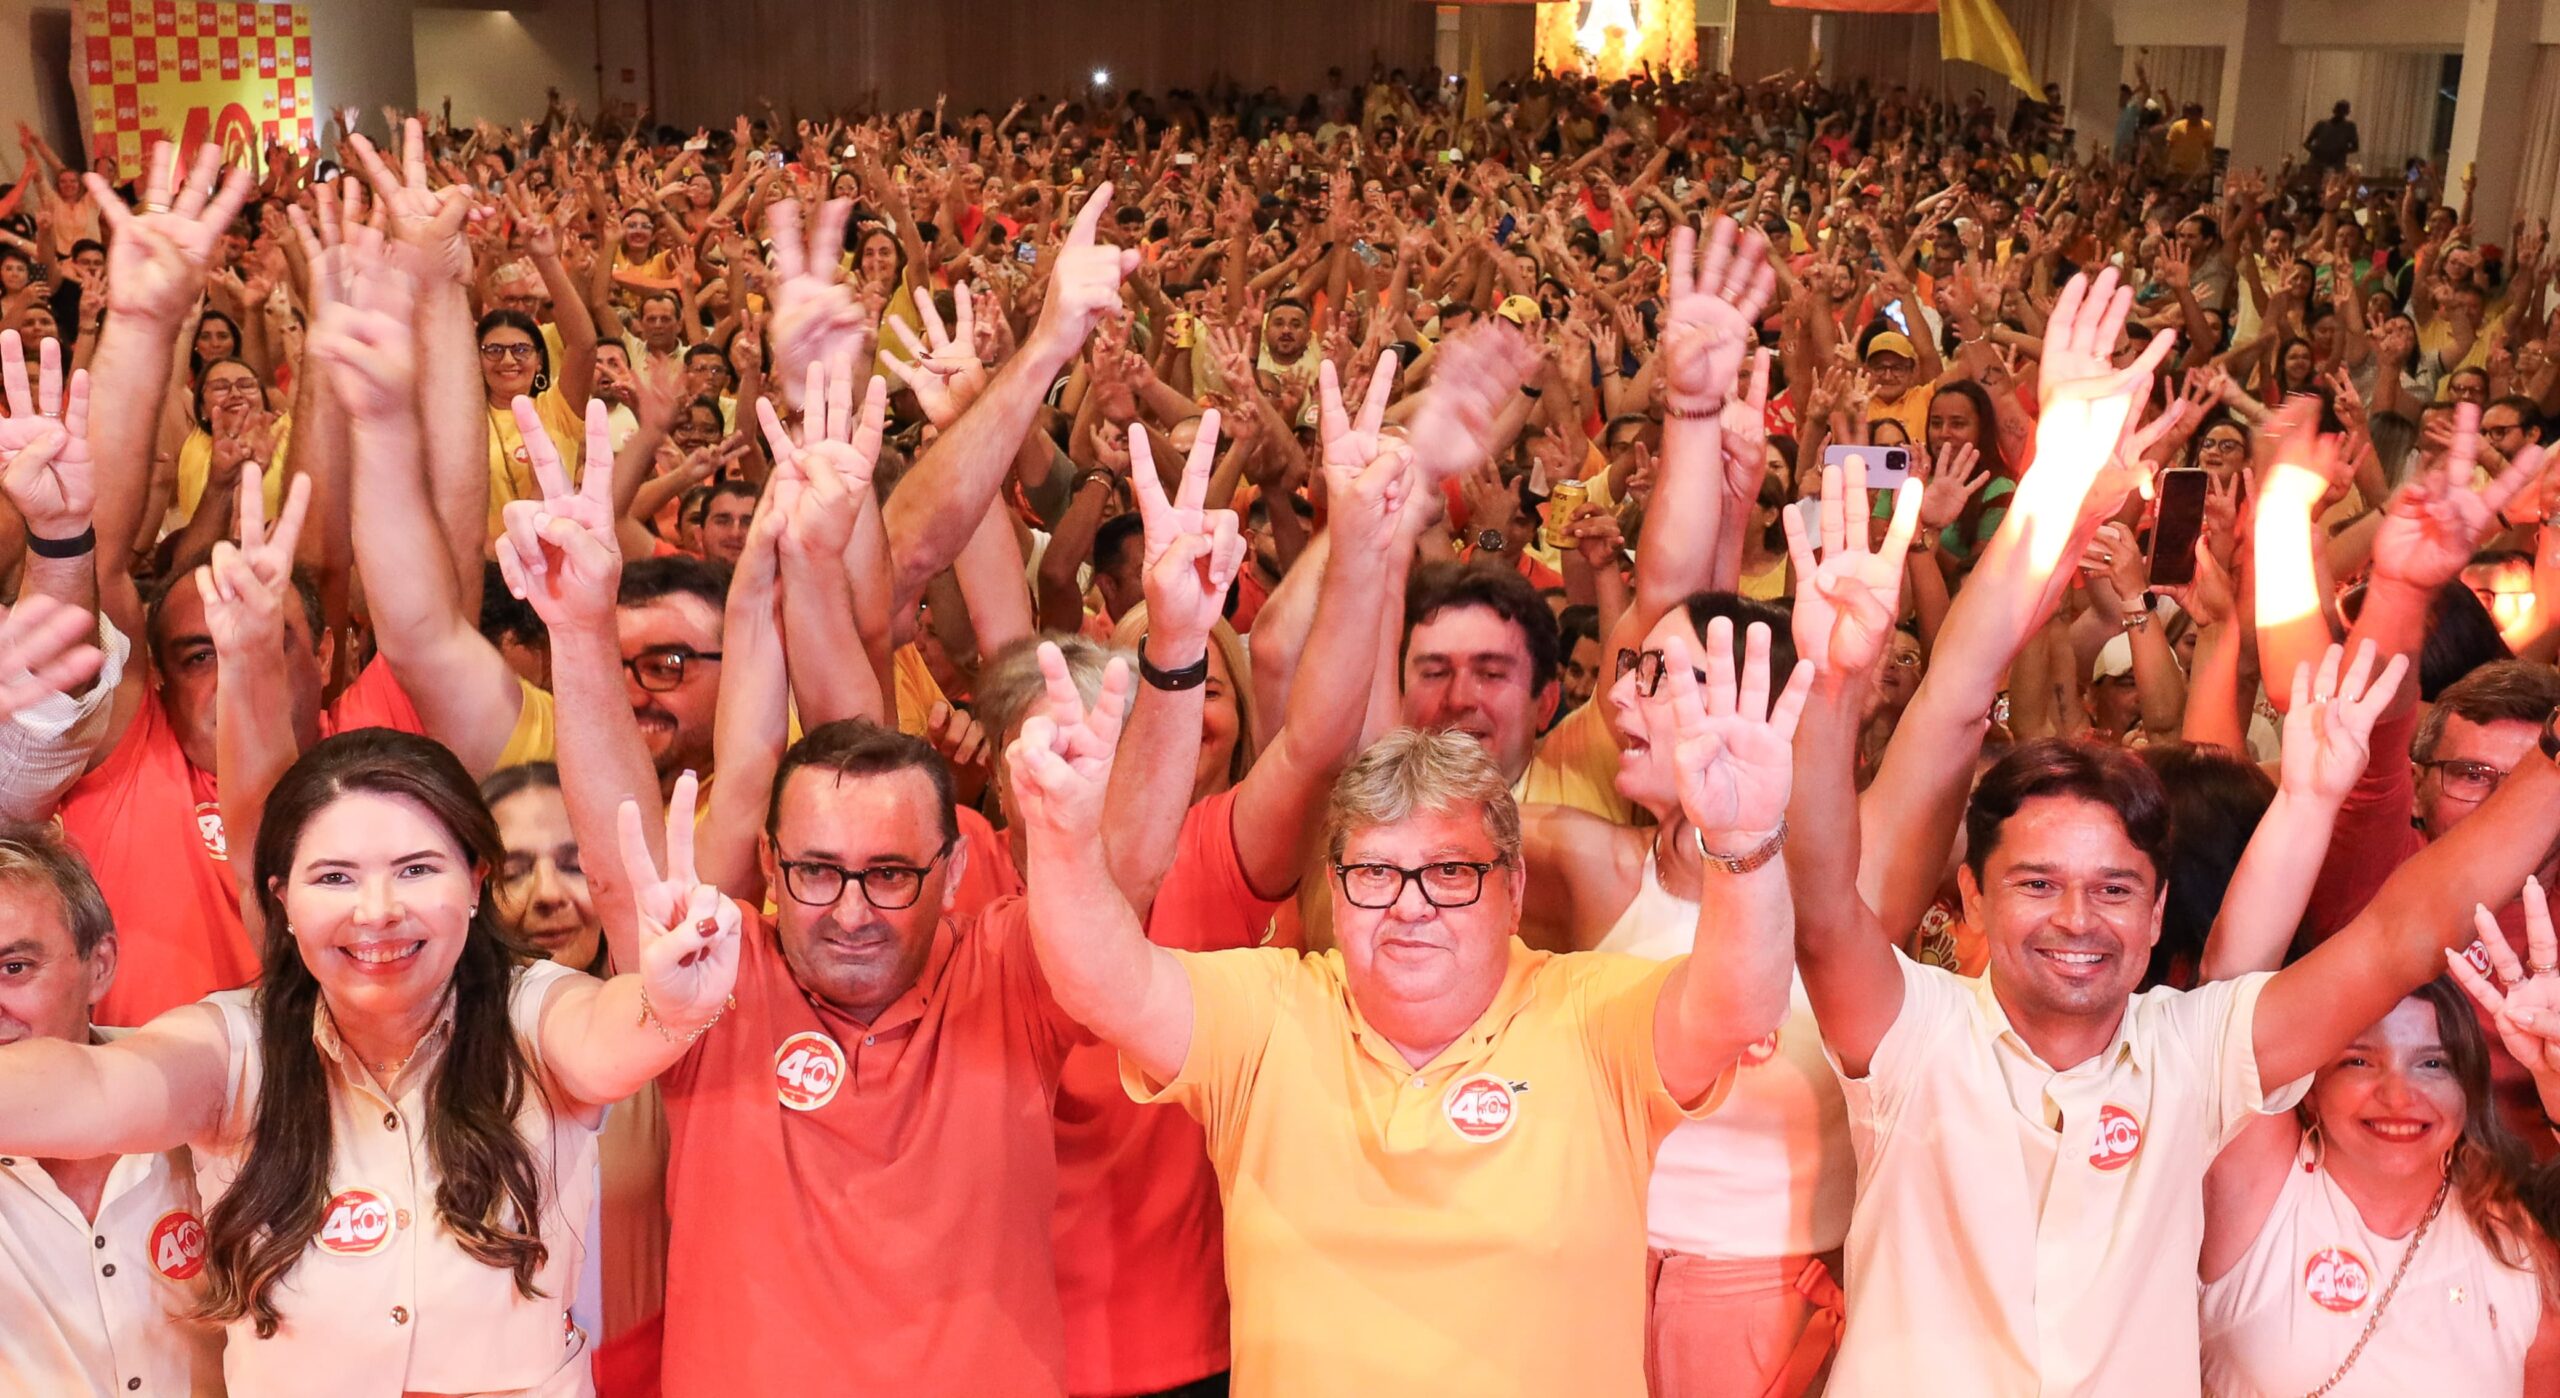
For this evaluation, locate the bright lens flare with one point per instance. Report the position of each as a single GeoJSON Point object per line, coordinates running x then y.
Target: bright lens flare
{"type": "Point", "coordinates": [1605, 15]}
{"type": "Point", "coordinates": [2288, 584]}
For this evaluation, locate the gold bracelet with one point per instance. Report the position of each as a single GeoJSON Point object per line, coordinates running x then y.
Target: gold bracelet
{"type": "Point", "coordinates": [649, 1015]}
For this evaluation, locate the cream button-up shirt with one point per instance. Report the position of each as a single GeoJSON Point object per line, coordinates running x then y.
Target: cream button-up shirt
{"type": "Point", "coordinates": [2023, 1231]}
{"type": "Point", "coordinates": [383, 1300]}
{"type": "Point", "coordinates": [91, 1305]}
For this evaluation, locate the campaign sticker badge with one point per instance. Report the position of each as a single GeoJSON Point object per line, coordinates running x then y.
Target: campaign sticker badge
{"type": "Point", "coordinates": [807, 1070]}
{"type": "Point", "coordinates": [357, 1223]}
{"type": "Point", "coordinates": [2119, 1137]}
{"type": "Point", "coordinates": [177, 1245]}
{"type": "Point", "coordinates": [1483, 1107]}
{"type": "Point", "coordinates": [2336, 1280]}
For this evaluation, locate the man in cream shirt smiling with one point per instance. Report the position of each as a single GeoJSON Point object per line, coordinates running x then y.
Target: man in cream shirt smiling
{"type": "Point", "coordinates": [98, 1258]}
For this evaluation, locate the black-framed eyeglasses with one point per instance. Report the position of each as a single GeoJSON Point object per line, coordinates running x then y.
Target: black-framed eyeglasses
{"type": "Point", "coordinates": [660, 670]}
{"type": "Point", "coordinates": [1447, 883]}
{"type": "Point", "coordinates": [494, 352]}
{"type": "Point", "coordinates": [2466, 781]}
{"type": "Point", "coordinates": [888, 887]}
{"type": "Point", "coordinates": [1649, 667]}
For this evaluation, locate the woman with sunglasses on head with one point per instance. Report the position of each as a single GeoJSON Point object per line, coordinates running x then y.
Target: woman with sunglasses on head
{"type": "Point", "coordinates": [395, 1130]}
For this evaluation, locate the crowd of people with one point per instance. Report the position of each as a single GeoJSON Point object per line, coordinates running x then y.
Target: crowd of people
{"type": "Point", "coordinates": [1701, 737]}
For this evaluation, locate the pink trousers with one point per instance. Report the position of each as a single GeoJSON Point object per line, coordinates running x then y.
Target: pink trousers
{"type": "Point", "coordinates": [1758, 1328]}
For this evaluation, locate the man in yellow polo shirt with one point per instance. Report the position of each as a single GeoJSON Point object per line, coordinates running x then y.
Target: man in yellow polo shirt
{"type": "Point", "coordinates": [1432, 1142]}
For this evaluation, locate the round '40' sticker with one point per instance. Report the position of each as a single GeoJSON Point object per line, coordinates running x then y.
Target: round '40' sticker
{"type": "Point", "coordinates": [177, 1245]}
{"type": "Point", "coordinates": [356, 1223]}
{"type": "Point", "coordinates": [807, 1070]}
{"type": "Point", "coordinates": [1482, 1108]}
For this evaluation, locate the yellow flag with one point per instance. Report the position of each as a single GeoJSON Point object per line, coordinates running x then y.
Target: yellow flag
{"type": "Point", "coordinates": [1976, 32]}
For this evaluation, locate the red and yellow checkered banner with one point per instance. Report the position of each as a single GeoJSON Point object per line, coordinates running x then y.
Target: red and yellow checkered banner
{"type": "Point", "coordinates": [193, 71]}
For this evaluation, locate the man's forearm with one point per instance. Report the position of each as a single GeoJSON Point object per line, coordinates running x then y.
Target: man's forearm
{"type": "Point", "coordinates": [128, 379]}
{"type": "Point", "coordinates": [453, 409]}
{"type": "Point", "coordinates": [831, 674]}
{"type": "Point", "coordinates": [1151, 777]}
{"type": "Point", "coordinates": [603, 763]}
{"type": "Point", "coordinates": [938, 505]}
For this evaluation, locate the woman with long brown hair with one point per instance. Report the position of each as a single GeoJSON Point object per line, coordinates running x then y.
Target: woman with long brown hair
{"type": "Point", "coordinates": [2375, 1240]}
{"type": "Point", "coordinates": [395, 1129]}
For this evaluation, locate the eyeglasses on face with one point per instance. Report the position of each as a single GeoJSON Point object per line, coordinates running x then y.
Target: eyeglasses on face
{"type": "Point", "coordinates": [496, 352]}
{"type": "Point", "coordinates": [2466, 781]}
{"type": "Point", "coordinates": [660, 670]}
{"type": "Point", "coordinates": [1649, 667]}
{"type": "Point", "coordinates": [887, 887]}
{"type": "Point", "coordinates": [1448, 883]}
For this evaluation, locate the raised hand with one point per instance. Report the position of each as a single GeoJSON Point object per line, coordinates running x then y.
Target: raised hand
{"type": "Point", "coordinates": [2328, 731]}
{"type": "Point", "coordinates": [2436, 519]}
{"type": "Point", "coordinates": [1084, 282]}
{"type": "Point", "coordinates": [689, 933]}
{"type": "Point", "coordinates": [946, 374]}
{"type": "Point", "coordinates": [1711, 318]}
{"type": "Point", "coordinates": [1952, 481]}
{"type": "Point", "coordinates": [815, 315]}
{"type": "Point", "coordinates": [1735, 759]}
{"type": "Point", "coordinates": [45, 442]}
{"type": "Point", "coordinates": [1060, 762]}
{"type": "Point", "coordinates": [423, 217]}
{"type": "Point", "coordinates": [157, 258]}
{"type": "Point", "coordinates": [821, 483]}
{"type": "Point", "coordinates": [245, 584]}
{"type": "Point", "coordinates": [1472, 381]}
{"type": "Point", "coordinates": [368, 340]}
{"type": "Point", "coordinates": [560, 552]}
{"type": "Point", "coordinates": [1366, 472]}
{"type": "Point", "coordinates": [1192, 553]}
{"type": "Point", "coordinates": [2524, 1001]}
{"type": "Point", "coordinates": [1847, 601]}
{"type": "Point", "coordinates": [1745, 437]}
{"type": "Point", "coordinates": [45, 650]}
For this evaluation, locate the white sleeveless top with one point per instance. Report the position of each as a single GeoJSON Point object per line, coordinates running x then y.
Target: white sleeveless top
{"type": "Point", "coordinates": [2281, 1321]}
{"type": "Point", "coordinates": [1770, 1173]}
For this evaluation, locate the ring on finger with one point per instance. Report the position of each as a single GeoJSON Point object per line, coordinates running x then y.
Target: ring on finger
{"type": "Point", "coordinates": [154, 206]}
{"type": "Point", "coordinates": [2540, 969]}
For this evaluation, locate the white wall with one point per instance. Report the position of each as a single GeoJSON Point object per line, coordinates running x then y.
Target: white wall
{"type": "Point", "coordinates": [497, 64]}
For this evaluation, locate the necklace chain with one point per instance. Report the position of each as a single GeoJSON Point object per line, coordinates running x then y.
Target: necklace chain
{"type": "Point", "coordinates": [2374, 1321]}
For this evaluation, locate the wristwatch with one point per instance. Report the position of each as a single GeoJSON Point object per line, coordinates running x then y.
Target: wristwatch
{"type": "Point", "coordinates": [1491, 541]}
{"type": "Point", "coordinates": [1746, 862]}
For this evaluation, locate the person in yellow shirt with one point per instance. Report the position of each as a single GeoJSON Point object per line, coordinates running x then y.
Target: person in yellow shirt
{"type": "Point", "coordinates": [517, 359]}
{"type": "Point", "coordinates": [1430, 1114]}
{"type": "Point", "coordinates": [2190, 144]}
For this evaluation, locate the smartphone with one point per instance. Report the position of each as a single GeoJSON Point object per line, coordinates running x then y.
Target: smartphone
{"type": "Point", "coordinates": [1024, 251]}
{"type": "Point", "coordinates": [1449, 157]}
{"type": "Point", "coordinates": [2175, 529]}
{"type": "Point", "coordinates": [1185, 158]}
{"type": "Point", "coordinates": [1887, 467]}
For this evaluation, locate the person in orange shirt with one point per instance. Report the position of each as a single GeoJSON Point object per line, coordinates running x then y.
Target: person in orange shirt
{"type": "Point", "coordinates": [1432, 1114]}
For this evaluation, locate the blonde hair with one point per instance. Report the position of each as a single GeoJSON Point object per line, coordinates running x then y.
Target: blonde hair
{"type": "Point", "coordinates": [1131, 629]}
{"type": "Point", "coordinates": [1010, 684]}
{"type": "Point", "coordinates": [1414, 770]}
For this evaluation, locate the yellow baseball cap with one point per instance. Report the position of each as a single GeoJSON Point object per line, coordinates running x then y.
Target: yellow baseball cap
{"type": "Point", "coordinates": [1893, 342]}
{"type": "Point", "coordinates": [1520, 310]}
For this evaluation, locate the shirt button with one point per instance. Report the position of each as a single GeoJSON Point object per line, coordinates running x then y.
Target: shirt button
{"type": "Point", "coordinates": [107, 1271]}
{"type": "Point", "coordinates": [390, 1121]}
{"type": "Point", "coordinates": [133, 1383]}
{"type": "Point", "coordinates": [399, 1315]}
{"type": "Point", "coordinates": [1417, 1080]}
{"type": "Point", "coordinates": [101, 1241]}
{"type": "Point", "coordinates": [867, 1038]}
